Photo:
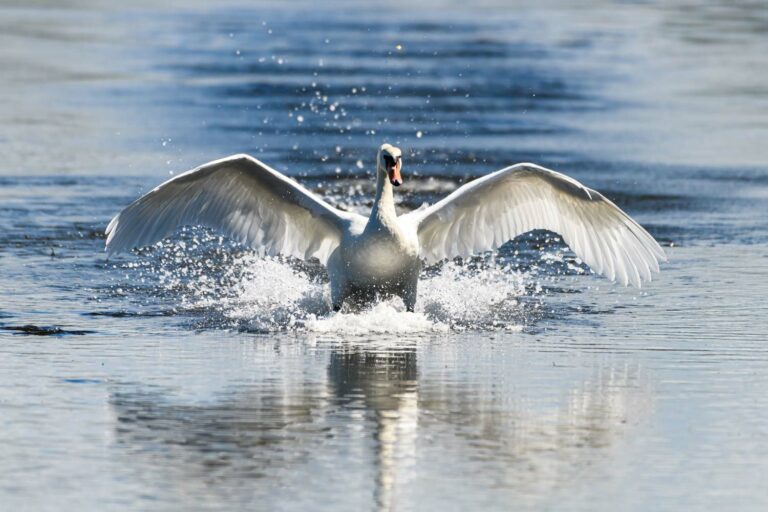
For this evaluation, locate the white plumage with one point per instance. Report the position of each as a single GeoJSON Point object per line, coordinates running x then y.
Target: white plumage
{"type": "Point", "coordinates": [486, 213]}
{"type": "Point", "coordinates": [241, 197]}
{"type": "Point", "coordinates": [382, 254]}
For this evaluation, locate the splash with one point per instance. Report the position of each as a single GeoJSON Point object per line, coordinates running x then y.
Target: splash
{"type": "Point", "coordinates": [388, 317]}
{"type": "Point", "coordinates": [273, 295]}
{"type": "Point", "coordinates": [466, 297]}
{"type": "Point", "coordinates": [224, 287]}
{"type": "Point", "coordinates": [267, 295]}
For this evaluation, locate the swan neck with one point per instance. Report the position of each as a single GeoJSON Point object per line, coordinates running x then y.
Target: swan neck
{"type": "Point", "coordinates": [384, 204]}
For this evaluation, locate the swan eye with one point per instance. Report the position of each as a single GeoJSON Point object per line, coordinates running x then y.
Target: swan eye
{"type": "Point", "coordinates": [389, 160]}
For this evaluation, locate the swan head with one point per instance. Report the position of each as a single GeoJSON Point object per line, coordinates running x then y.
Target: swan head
{"type": "Point", "coordinates": [390, 162]}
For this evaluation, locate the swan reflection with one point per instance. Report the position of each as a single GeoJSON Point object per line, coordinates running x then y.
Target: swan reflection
{"type": "Point", "coordinates": [379, 421]}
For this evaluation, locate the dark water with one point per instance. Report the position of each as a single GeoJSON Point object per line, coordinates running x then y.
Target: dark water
{"type": "Point", "coordinates": [196, 375]}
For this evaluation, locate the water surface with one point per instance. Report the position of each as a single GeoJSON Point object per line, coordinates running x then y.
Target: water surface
{"type": "Point", "coordinates": [196, 374]}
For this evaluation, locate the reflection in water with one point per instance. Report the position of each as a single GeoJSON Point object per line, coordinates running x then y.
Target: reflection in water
{"type": "Point", "coordinates": [377, 406]}
{"type": "Point", "coordinates": [536, 441]}
{"type": "Point", "coordinates": [387, 384]}
{"type": "Point", "coordinates": [247, 432]}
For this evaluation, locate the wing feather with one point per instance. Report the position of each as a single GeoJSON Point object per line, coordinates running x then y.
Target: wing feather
{"type": "Point", "coordinates": [491, 210]}
{"type": "Point", "coordinates": [241, 197]}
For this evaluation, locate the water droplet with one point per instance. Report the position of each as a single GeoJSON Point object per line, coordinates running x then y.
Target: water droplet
{"type": "Point", "coordinates": [419, 134]}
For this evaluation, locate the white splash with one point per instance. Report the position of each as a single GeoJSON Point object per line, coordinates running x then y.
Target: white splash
{"type": "Point", "coordinates": [269, 295]}
{"type": "Point", "coordinates": [465, 298]}
{"type": "Point", "coordinates": [257, 294]}
{"type": "Point", "coordinates": [388, 317]}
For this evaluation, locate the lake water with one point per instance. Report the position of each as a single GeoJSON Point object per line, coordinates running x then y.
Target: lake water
{"type": "Point", "coordinates": [195, 375]}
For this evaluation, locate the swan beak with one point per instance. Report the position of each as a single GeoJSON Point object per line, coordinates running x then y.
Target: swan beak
{"type": "Point", "coordinates": [394, 174]}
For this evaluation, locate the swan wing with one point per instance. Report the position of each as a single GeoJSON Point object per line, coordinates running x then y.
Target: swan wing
{"type": "Point", "coordinates": [241, 197]}
{"type": "Point", "coordinates": [489, 211]}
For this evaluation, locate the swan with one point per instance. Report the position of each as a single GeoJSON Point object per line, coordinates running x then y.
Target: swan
{"type": "Point", "coordinates": [383, 254]}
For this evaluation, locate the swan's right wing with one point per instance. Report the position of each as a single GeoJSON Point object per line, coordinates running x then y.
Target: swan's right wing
{"type": "Point", "coordinates": [486, 213]}
{"type": "Point", "coordinates": [244, 199]}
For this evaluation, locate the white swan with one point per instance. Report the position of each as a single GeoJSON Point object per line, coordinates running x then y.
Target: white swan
{"type": "Point", "coordinates": [382, 254]}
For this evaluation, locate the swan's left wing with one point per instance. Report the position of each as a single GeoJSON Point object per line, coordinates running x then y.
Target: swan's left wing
{"type": "Point", "coordinates": [489, 211]}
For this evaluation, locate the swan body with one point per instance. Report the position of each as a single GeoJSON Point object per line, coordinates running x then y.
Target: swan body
{"type": "Point", "coordinates": [383, 254]}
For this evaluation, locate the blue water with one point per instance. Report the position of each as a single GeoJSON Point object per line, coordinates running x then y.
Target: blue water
{"type": "Point", "coordinates": [194, 374]}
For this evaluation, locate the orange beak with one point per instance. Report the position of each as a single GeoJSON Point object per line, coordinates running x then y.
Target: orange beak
{"type": "Point", "coordinates": [394, 174]}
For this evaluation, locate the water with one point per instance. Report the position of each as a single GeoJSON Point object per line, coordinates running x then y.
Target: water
{"type": "Point", "coordinates": [194, 374]}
